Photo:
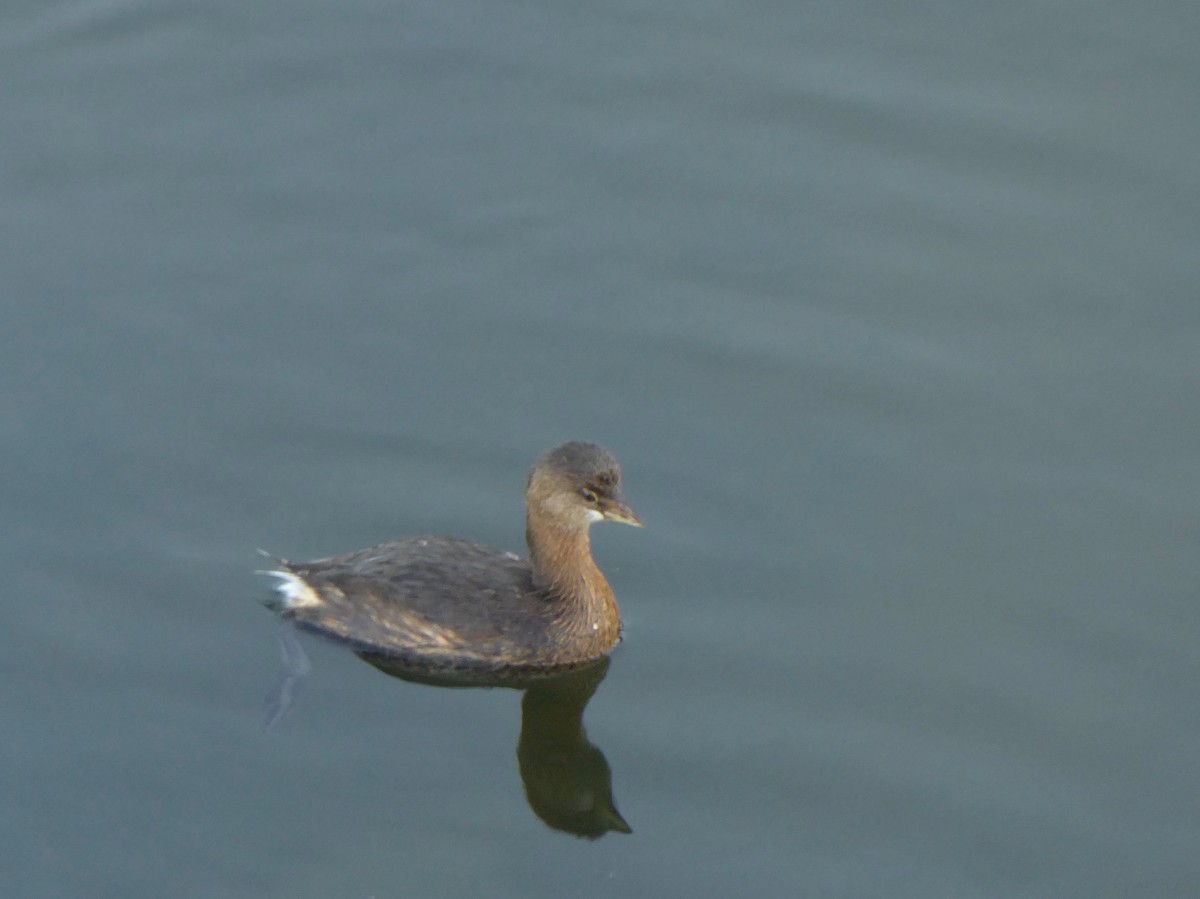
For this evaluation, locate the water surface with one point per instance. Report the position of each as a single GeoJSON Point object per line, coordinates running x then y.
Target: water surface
{"type": "Point", "coordinates": [889, 313]}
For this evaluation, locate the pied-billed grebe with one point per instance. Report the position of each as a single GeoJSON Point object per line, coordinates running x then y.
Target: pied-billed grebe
{"type": "Point", "coordinates": [445, 604]}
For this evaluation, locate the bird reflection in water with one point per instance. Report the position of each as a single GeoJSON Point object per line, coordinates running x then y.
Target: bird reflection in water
{"type": "Point", "coordinates": [568, 783]}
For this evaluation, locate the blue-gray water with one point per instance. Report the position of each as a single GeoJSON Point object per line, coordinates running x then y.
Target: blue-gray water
{"type": "Point", "coordinates": [891, 313]}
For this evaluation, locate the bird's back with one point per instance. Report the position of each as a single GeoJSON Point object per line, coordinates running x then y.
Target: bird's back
{"type": "Point", "coordinates": [449, 602]}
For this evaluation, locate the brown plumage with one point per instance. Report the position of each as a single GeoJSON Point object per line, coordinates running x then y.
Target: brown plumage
{"type": "Point", "coordinates": [443, 604]}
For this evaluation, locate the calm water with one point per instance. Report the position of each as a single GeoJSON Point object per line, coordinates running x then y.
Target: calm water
{"type": "Point", "coordinates": [890, 312]}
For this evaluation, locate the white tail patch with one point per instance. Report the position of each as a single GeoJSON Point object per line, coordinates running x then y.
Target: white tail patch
{"type": "Point", "coordinates": [295, 592]}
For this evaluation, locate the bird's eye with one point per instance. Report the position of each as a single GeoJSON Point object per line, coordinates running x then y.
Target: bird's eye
{"type": "Point", "coordinates": [588, 495]}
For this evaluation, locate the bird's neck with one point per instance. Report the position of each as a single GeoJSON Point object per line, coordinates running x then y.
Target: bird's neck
{"type": "Point", "coordinates": [561, 559]}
